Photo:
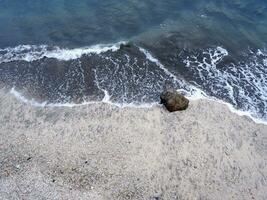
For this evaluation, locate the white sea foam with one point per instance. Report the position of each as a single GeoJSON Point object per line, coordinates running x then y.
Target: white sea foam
{"type": "Point", "coordinates": [105, 100]}
{"type": "Point", "coordinates": [242, 113]}
{"type": "Point", "coordinates": [207, 70]}
{"type": "Point", "coordinates": [245, 84]}
{"type": "Point", "coordinates": [35, 52]}
{"type": "Point", "coordinates": [201, 95]}
{"type": "Point", "coordinates": [19, 96]}
{"type": "Point", "coordinates": [191, 91]}
{"type": "Point", "coordinates": [157, 62]}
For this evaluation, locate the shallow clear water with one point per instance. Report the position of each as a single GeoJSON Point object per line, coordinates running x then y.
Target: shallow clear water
{"type": "Point", "coordinates": [217, 47]}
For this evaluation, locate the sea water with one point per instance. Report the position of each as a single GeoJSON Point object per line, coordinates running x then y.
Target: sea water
{"type": "Point", "coordinates": [67, 52]}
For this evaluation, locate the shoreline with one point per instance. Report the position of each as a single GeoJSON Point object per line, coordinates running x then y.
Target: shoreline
{"type": "Point", "coordinates": [99, 151]}
{"type": "Point", "coordinates": [29, 56]}
{"type": "Point", "coordinates": [200, 96]}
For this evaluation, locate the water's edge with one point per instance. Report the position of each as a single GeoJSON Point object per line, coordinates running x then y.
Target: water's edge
{"type": "Point", "coordinates": [114, 53]}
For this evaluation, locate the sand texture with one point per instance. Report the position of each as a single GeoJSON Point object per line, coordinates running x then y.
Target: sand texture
{"type": "Point", "coordinates": [101, 151]}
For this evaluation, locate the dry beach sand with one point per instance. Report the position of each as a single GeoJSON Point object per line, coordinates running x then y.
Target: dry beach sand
{"type": "Point", "coordinates": [101, 151]}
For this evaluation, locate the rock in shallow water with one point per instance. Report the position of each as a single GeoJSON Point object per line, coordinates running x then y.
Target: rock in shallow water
{"type": "Point", "coordinates": [174, 101]}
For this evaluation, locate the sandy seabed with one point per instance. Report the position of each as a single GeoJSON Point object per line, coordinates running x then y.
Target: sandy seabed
{"type": "Point", "coordinates": [100, 151]}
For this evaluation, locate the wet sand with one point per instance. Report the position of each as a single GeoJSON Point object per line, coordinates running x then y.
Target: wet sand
{"type": "Point", "coordinates": [100, 151]}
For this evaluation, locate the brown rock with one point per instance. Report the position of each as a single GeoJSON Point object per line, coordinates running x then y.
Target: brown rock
{"type": "Point", "coordinates": [174, 101]}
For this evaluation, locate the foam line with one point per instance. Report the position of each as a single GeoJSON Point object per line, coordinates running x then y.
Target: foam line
{"type": "Point", "coordinates": [157, 62]}
{"type": "Point", "coordinates": [105, 100]}
{"type": "Point", "coordinates": [25, 100]}
{"type": "Point", "coordinates": [238, 112]}
{"type": "Point", "coordinates": [205, 70]}
{"type": "Point", "coordinates": [244, 84]}
{"type": "Point", "coordinates": [36, 52]}
{"type": "Point", "coordinates": [132, 105]}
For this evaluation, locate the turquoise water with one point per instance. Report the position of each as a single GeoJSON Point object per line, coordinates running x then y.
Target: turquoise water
{"type": "Point", "coordinates": [213, 48]}
{"type": "Point", "coordinates": [85, 22]}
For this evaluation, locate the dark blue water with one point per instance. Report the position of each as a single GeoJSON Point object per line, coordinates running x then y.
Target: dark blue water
{"type": "Point", "coordinates": [217, 47]}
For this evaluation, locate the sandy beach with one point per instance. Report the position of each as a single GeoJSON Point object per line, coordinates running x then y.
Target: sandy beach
{"type": "Point", "coordinates": [100, 151]}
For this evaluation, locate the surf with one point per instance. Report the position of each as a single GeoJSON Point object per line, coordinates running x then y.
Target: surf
{"type": "Point", "coordinates": [206, 69]}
